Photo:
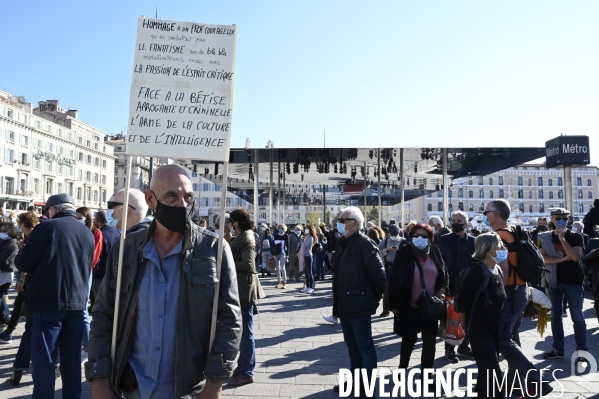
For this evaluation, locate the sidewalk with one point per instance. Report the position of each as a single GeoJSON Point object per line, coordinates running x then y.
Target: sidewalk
{"type": "Point", "coordinates": [299, 354]}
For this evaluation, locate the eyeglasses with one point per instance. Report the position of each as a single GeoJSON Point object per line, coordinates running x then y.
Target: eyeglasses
{"type": "Point", "coordinates": [564, 218]}
{"type": "Point", "coordinates": [485, 212]}
{"type": "Point", "coordinates": [420, 236]}
{"type": "Point", "coordinates": [112, 204]}
{"type": "Point", "coordinates": [343, 220]}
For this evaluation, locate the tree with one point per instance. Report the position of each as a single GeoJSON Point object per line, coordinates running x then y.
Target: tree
{"type": "Point", "coordinates": [373, 213]}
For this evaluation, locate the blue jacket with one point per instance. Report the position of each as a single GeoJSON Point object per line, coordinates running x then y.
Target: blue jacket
{"type": "Point", "coordinates": [57, 261]}
{"type": "Point", "coordinates": [109, 236]}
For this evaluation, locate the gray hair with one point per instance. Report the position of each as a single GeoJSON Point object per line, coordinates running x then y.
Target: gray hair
{"type": "Point", "coordinates": [64, 207]}
{"type": "Point", "coordinates": [484, 243]}
{"type": "Point", "coordinates": [462, 214]}
{"type": "Point", "coordinates": [502, 207]}
{"type": "Point", "coordinates": [355, 213]}
{"type": "Point", "coordinates": [578, 223]}
{"type": "Point", "coordinates": [282, 226]}
{"type": "Point", "coordinates": [436, 220]}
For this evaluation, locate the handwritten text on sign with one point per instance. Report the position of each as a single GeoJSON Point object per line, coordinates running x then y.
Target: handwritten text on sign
{"type": "Point", "coordinates": [182, 90]}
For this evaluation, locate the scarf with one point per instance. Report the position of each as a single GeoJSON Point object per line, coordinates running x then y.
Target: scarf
{"type": "Point", "coordinates": [422, 253]}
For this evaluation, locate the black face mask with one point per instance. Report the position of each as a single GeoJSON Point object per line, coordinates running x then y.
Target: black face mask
{"type": "Point", "coordinates": [457, 227]}
{"type": "Point", "coordinates": [542, 228]}
{"type": "Point", "coordinates": [174, 218]}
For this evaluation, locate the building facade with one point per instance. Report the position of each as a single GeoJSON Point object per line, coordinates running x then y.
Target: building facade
{"type": "Point", "coordinates": [531, 189]}
{"type": "Point", "coordinates": [47, 150]}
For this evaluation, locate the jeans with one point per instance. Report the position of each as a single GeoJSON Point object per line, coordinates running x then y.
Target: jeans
{"type": "Point", "coordinates": [86, 318]}
{"type": "Point", "coordinates": [309, 270]}
{"type": "Point", "coordinates": [293, 272]}
{"type": "Point", "coordinates": [280, 262]}
{"type": "Point", "coordinates": [357, 334]}
{"type": "Point", "coordinates": [573, 293]}
{"type": "Point", "coordinates": [265, 258]}
{"type": "Point", "coordinates": [5, 311]}
{"type": "Point", "coordinates": [247, 346]}
{"type": "Point", "coordinates": [53, 331]}
{"type": "Point", "coordinates": [318, 268]}
{"type": "Point", "coordinates": [509, 337]}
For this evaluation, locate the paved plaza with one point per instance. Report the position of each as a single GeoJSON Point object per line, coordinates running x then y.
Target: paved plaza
{"type": "Point", "coordinates": [299, 354]}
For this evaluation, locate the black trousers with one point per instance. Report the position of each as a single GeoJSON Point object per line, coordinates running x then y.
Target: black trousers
{"type": "Point", "coordinates": [428, 330]}
{"type": "Point", "coordinates": [485, 347]}
{"type": "Point", "coordinates": [16, 314]}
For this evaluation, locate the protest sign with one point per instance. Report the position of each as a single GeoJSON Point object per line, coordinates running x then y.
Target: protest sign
{"type": "Point", "coordinates": [181, 100]}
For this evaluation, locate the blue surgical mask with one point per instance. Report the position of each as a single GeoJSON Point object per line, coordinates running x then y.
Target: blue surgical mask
{"type": "Point", "coordinates": [561, 224]}
{"type": "Point", "coordinates": [420, 242]}
{"type": "Point", "coordinates": [575, 229]}
{"type": "Point", "coordinates": [500, 255]}
{"type": "Point", "coordinates": [110, 220]}
{"type": "Point", "coordinates": [281, 231]}
{"type": "Point", "coordinates": [486, 221]}
{"type": "Point", "coordinates": [341, 228]}
{"type": "Point", "coordinates": [82, 221]}
{"type": "Point", "coordinates": [4, 236]}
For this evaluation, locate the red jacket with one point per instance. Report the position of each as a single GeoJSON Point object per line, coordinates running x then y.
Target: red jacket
{"type": "Point", "coordinates": [98, 247]}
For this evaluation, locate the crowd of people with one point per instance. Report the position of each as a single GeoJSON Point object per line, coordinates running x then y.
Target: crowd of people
{"type": "Point", "coordinates": [184, 323]}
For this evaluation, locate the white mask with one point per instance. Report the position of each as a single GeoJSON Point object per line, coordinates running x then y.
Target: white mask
{"type": "Point", "coordinates": [394, 238]}
{"type": "Point", "coordinates": [4, 236]}
{"type": "Point", "coordinates": [306, 231]}
{"type": "Point", "coordinates": [575, 229]}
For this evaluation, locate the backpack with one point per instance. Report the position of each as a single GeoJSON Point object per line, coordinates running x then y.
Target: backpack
{"type": "Point", "coordinates": [278, 249]}
{"type": "Point", "coordinates": [317, 247]}
{"type": "Point", "coordinates": [482, 289]}
{"type": "Point", "coordinates": [266, 244]}
{"type": "Point", "coordinates": [531, 264]}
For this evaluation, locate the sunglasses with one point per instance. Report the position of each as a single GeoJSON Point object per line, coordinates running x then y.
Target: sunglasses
{"type": "Point", "coordinates": [112, 204]}
{"type": "Point", "coordinates": [485, 212]}
{"type": "Point", "coordinates": [343, 220]}
{"type": "Point", "coordinates": [564, 218]}
{"type": "Point", "coordinates": [420, 236]}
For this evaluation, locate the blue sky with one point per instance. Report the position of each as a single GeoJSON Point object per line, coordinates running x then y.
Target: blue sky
{"type": "Point", "coordinates": [376, 73]}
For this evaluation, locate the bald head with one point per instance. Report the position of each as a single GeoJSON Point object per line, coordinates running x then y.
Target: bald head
{"type": "Point", "coordinates": [138, 208]}
{"type": "Point", "coordinates": [171, 186]}
{"type": "Point", "coordinates": [166, 173]}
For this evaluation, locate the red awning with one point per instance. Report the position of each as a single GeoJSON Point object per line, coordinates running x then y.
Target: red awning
{"type": "Point", "coordinates": [36, 203]}
{"type": "Point", "coordinates": [353, 188]}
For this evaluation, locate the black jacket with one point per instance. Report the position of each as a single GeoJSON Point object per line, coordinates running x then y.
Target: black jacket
{"type": "Point", "coordinates": [400, 284]}
{"type": "Point", "coordinates": [8, 251]}
{"type": "Point", "coordinates": [360, 277]}
{"type": "Point", "coordinates": [109, 236]}
{"type": "Point", "coordinates": [590, 220]}
{"type": "Point", "coordinates": [457, 254]}
{"type": "Point", "coordinates": [56, 259]}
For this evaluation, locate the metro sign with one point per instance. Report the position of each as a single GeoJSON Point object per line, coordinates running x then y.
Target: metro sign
{"type": "Point", "coordinates": [567, 150]}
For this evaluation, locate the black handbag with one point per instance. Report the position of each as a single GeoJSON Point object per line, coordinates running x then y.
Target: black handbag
{"type": "Point", "coordinates": [432, 308]}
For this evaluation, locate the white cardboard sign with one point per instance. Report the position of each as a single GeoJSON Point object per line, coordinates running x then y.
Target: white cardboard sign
{"type": "Point", "coordinates": [181, 101]}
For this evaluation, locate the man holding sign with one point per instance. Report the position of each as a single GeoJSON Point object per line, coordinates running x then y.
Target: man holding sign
{"type": "Point", "coordinates": [169, 276]}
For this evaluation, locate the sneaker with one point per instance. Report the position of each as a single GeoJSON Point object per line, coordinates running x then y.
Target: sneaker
{"type": "Point", "coordinates": [305, 289]}
{"type": "Point", "coordinates": [310, 291]}
{"type": "Point", "coordinates": [240, 380]}
{"type": "Point", "coordinates": [5, 338]}
{"type": "Point", "coordinates": [384, 314]}
{"type": "Point", "coordinates": [284, 286]}
{"type": "Point", "coordinates": [553, 354]}
{"type": "Point", "coordinates": [450, 356]}
{"type": "Point", "coordinates": [466, 352]}
{"type": "Point", "coordinates": [331, 319]}
{"type": "Point", "coordinates": [83, 357]}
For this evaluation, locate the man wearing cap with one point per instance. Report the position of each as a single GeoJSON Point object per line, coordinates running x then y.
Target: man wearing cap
{"type": "Point", "coordinates": [387, 249]}
{"type": "Point", "coordinates": [457, 249]}
{"type": "Point", "coordinates": [57, 260]}
{"type": "Point", "coordinates": [562, 250]}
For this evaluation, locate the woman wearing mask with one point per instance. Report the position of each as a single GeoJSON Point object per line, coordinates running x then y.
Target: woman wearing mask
{"type": "Point", "coordinates": [84, 215]}
{"type": "Point", "coordinates": [309, 240]}
{"type": "Point", "coordinates": [8, 252]}
{"type": "Point", "coordinates": [243, 248]}
{"type": "Point", "coordinates": [279, 253]}
{"type": "Point", "coordinates": [482, 314]}
{"type": "Point", "coordinates": [405, 291]}
{"type": "Point", "coordinates": [319, 263]}
{"type": "Point", "coordinates": [267, 244]}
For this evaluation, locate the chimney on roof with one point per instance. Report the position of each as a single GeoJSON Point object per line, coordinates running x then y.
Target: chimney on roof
{"type": "Point", "coordinates": [73, 113]}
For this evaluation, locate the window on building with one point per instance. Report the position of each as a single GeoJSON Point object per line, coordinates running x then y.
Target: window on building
{"type": "Point", "coordinates": [430, 207]}
{"type": "Point", "coordinates": [103, 195]}
{"type": "Point", "coordinates": [540, 193]}
{"type": "Point", "coordinates": [49, 186]}
{"type": "Point", "coordinates": [116, 181]}
{"type": "Point", "coordinates": [541, 207]}
{"type": "Point", "coordinates": [481, 207]}
{"type": "Point", "coordinates": [501, 193]}
{"type": "Point", "coordinates": [469, 182]}
{"type": "Point", "coordinates": [9, 155]}
{"type": "Point", "coordinates": [88, 194]}
{"type": "Point", "coordinates": [440, 206]}
{"type": "Point", "coordinates": [519, 180]}
{"type": "Point", "coordinates": [79, 193]}
{"type": "Point", "coordinates": [560, 181]}
{"type": "Point", "coordinates": [96, 178]}
{"type": "Point", "coordinates": [116, 169]}
{"type": "Point", "coordinates": [24, 139]}
{"type": "Point", "coordinates": [491, 194]}
{"type": "Point", "coordinates": [481, 193]}
{"type": "Point", "coordinates": [520, 193]}
{"type": "Point", "coordinates": [88, 159]}
{"type": "Point", "coordinates": [59, 188]}
{"type": "Point", "coordinates": [103, 180]}
{"type": "Point", "coordinates": [8, 185]}
{"type": "Point", "coordinates": [550, 182]}
{"type": "Point", "coordinates": [36, 163]}
{"type": "Point", "coordinates": [95, 196]}
{"type": "Point", "coordinates": [50, 147]}
{"type": "Point", "coordinates": [490, 181]}
{"type": "Point", "coordinates": [500, 180]}
{"type": "Point", "coordinates": [480, 180]}
{"type": "Point", "coordinates": [560, 194]}
{"type": "Point", "coordinates": [88, 176]}
{"type": "Point", "coordinates": [59, 169]}
{"type": "Point", "coordinates": [550, 194]}
{"type": "Point", "coordinates": [195, 187]}
{"type": "Point", "coordinates": [205, 187]}
{"type": "Point", "coordinates": [471, 207]}
{"type": "Point", "coordinates": [590, 195]}
{"type": "Point", "coordinates": [589, 183]}
{"type": "Point", "coordinates": [540, 181]}
{"type": "Point", "coordinates": [461, 206]}
{"type": "Point", "coordinates": [470, 194]}
{"type": "Point", "coordinates": [530, 194]}
{"type": "Point", "coordinates": [70, 189]}
{"type": "Point", "coordinates": [579, 181]}
{"type": "Point", "coordinates": [521, 207]}
{"type": "Point", "coordinates": [103, 164]}
{"type": "Point", "coordinates": [530, 208]}
{"type": "Point", "coordinates": [49, 166]}
{"type": "Point", "coordinates": [439, 194]}
{"type": "Point", "coordinates": [529, 182]}
{"type": "Point", "coordinates": [227, 201]}
{"type": "Point", "coordinates": [204, 201]}
{"type": "Point", "coordinates": [36, 186]}
{"type": "Point", "coordinates": [9, 113]}
{"type": "Point", "coordinates": [80, 174]}
{"type": "Point", "coordinates": [579, 194]}
{"type": "Point", "coordinates": [449, 193]}
{"type": "Point", "coordinates": [580, 207]}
